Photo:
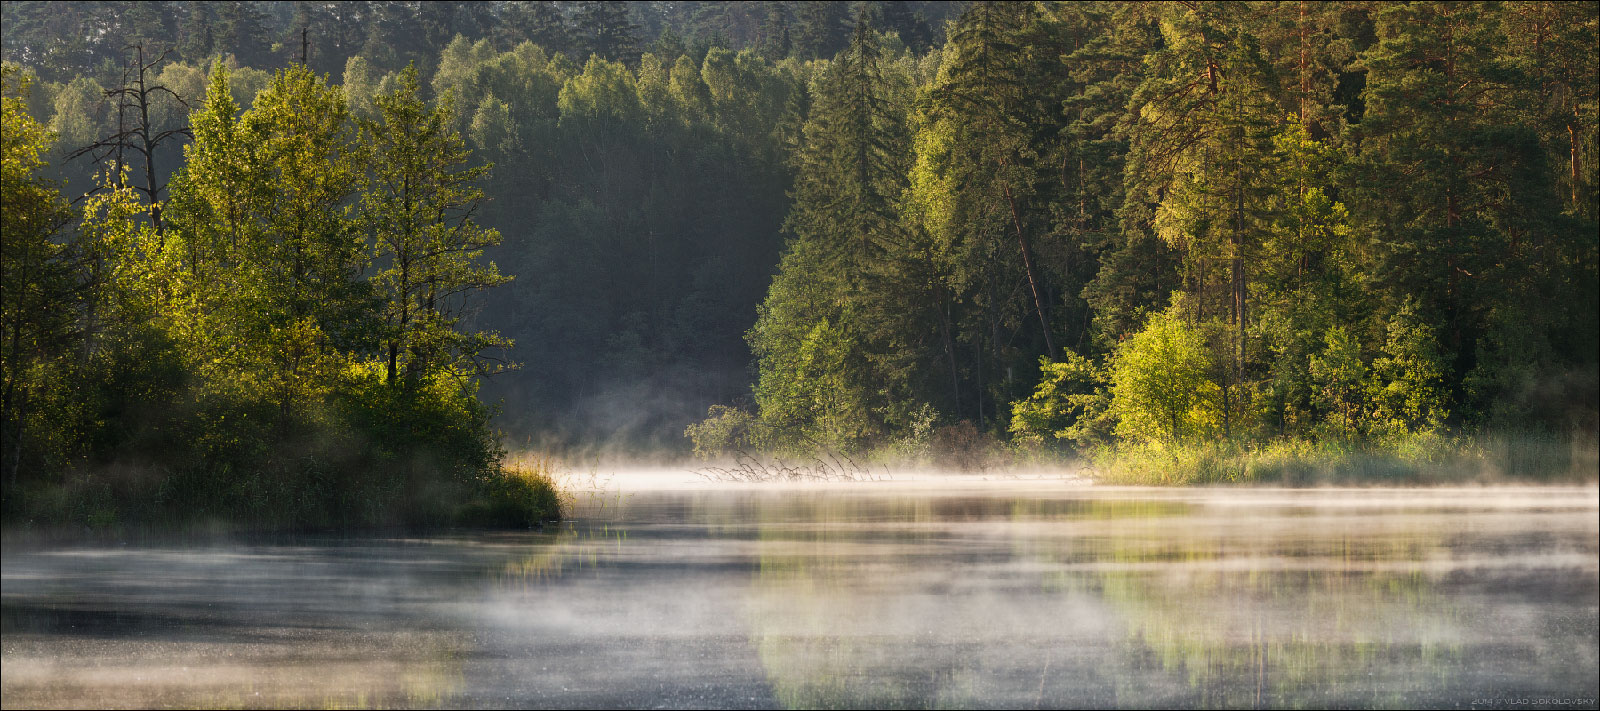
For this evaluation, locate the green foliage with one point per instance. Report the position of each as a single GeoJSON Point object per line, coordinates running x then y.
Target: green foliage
{"type": "Point", "coordinates": [1071, 402]}
{"type": "Point", "coordinates": [724, 431]}
{"type": "Point", "coordinates": [1339, 375]}
{"type": "Point", "coordinates": [514, 498]}
{"type": "Point", "coordinates": [1161, 389]}
{"type": "Point", "coordinates": [417, 203]}
{"type": "Point", "coordinates": [1407, 390]}
{"type": "Point", "coordinates": [41, 275]}
{"type": "Point", "coordinates": [230, 366]}
{"type": "Point", "coordinates": [1380, 221]}
{"type": "Point", "coordinates": [831, 364]}
{"type": "Point", "coordinates": [1409, 460]}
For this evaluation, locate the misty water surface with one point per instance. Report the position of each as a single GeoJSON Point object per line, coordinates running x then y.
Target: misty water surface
{"type": "Point", "coordinates": [888, 594]}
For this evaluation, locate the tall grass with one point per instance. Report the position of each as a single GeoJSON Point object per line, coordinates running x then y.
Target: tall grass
{"type": "Point", "coordinates": [1418, 459]}
{"type": "Point", "coordinates": [519, 495]}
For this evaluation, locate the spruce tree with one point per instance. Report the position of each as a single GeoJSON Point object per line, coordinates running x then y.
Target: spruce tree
{"type": "Point", "coordinates": [606, 31]}
{"type": "Point", "coordinates": [990, 98]}
{"type": "Point", "coordinates": [819, 28]}
{"type": "Point", "coordinates": [539, 22]}
{"type": "Point", "coordinates": [825, 336]}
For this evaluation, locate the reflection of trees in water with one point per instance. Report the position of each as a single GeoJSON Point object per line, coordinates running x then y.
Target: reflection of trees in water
{"type": "Point", "coordinates": [1251, 639]}
{"type": "Point", "coordinates": [1261, 612]}
{"type": "Point", "coordinates": [863, 601]}
{"type": "Point", "coordinates": [553, 554]}
{"type": "Point", "coordinates": [413, 669]}
{"type": "Point", "coordinates": [1201, 609]}
{"type": "Point", "coordinates": [816, 583]}
{"type": "Point", "coordinates": [273, 626]}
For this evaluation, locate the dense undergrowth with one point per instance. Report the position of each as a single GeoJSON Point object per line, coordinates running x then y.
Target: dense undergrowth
{"type": "Point", "coordinates": [370, 456]}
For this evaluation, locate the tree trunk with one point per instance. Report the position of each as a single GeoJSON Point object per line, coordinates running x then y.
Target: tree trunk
{"type": "Point", "coordinates": [1238, 274]}
{"type": "Point", "coordinates": [1572, 139]}
{"type": "Point", "coordinates": [1033, 281]}
{"type": "Point", "coordinates": [950, 350]}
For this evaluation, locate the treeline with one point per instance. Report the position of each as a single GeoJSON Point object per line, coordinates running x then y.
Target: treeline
{"type": "Point", "coordinates": [1072, 225]}
{"type": "Point", "coordinates": [1179, 223]}
{"type": "Point", "coordinates": [642, 196]}
{"type": "Point", "coordinates": [275, 337]}
{"type": "Point", "coordinates": [79, 39]}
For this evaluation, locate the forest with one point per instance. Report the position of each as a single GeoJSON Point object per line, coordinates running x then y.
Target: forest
{"type": "Point", "coordinates": [327, 263]}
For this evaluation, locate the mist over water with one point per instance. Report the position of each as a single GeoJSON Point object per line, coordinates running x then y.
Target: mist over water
{"type": "Point", "coordinates": [669, 591]}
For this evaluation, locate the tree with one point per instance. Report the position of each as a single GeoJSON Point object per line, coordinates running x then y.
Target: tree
{"type": "Point", "coordinates": [1548, 43]}
{"type": "Point", "coordinates": [135, 101]}
{"type": "Point", "coordinates": [196, 32]}
{"type": "Point", "coordinates": [819, 28]}
{"type": "Point", "coordinates": [898, 18]}
{"type": "Point", "coordinates": [1070, 403]}
{"type": "Point", "coordinates": [837, 381]}
{"type": "Point", "coordinates": [393, 37]}
{"type": "Point", "coordinates": [1407, 389]}
{"type": "Point", "coordinates": [41, 276]}
{"type": "Point", "coordinates": [1308, 278]}
{"type": "Point", "coordinates": [271, 301]}
{"type": "Point", "coordinates": [1160, 389]}
{"type": "Point", "coordinates": [775, 42]}
{"type": "Point", "coordinates": [1339, 375]}
{"type": "Point", "coordinates": [606, 31]}
{"type": "Point", "coordinates": [418, 202]}
{"type": "Point", "coordinates": [240, 29]}
{"type": "Point", "coordinates": [1438, 121]}
{"type": "Point", "coordinates": [1202, 146]}
{"type": "Point", "coordinates": [987, 95]}
{"type": "Point", "coordinates": [539, 22]}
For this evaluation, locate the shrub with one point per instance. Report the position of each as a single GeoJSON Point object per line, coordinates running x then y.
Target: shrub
{"type": "Point", "coordinates": [725, 429]}
{"type": "Point", "coordinates": [1070, 403]}
{"type": "Point", "coordinates": [1161, 391]}
{"type": "Point", "coordinates": [963, 447]}
{"type": "Point", "coordinates": [513, 497]}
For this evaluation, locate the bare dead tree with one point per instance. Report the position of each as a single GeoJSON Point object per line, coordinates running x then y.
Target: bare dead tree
{"type": "Point", "coordinates": [134, 96]}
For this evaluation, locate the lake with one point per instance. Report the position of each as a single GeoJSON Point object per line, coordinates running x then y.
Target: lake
{"type": "Point", "coordinates": [1013, 593]}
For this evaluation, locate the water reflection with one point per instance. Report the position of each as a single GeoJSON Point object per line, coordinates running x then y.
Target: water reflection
{"type": "Point", "coordinates": [1005, 595]}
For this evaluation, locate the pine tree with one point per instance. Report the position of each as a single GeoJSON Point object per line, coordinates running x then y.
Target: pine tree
{"type": "Point", "coordinates": [539, 22]}
{"type": "Point", "coordinates": [393, 37]}
{"type": "Point", "coordinates": [819, 28]}
{"type": "Point", "coordinates": [775, 43]}
{"type": "Point", "coordinates": [1439, 120]}
{"type": "Point", "coordinates": [989, 98]}
{"type": "Point", "coordinates": [241, 30]}
{"type": "Point", "coordinates": [825, 337]}
{"type": "Point", "coordinates": [196, 35]}
{"type": "Point", "coordinates": [898, 18]}
{"type": "Point", "coordinates": [150, 25]}
{"type": "Point", "coordinates": [606, 31]}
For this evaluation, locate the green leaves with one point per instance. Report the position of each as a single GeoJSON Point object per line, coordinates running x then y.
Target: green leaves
{"type": "Point", "coordinates": [417, 203]}
{"type": "Point", "coordinates": [1339, 375]}
{"type": "Point", "coordinates": [1071, 402]}
{"type": "Point", "coordinates": [1161, 390]}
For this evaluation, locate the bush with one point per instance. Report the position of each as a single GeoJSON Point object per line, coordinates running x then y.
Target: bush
{"type": "Point", "coordinates": [513, 497]}
{"type": "Point", "coordinates": [963, 447]}
{"type": "Point", "coordinates": [725, 429]}
{"type": "Point", "coordinates": [1071, 402]}
{"type": "Point", "coordinates": [1161, 388]}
